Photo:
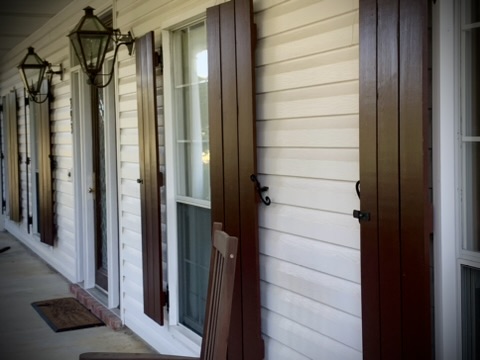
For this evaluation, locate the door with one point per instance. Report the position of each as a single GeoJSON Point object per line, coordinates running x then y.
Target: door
{"type": "Point", "coordinates": [395, 179]}
{"type": "Point", "coordinates": [104, 183]}
{"type": "Point", "coordinates": [95, 177]}
{"type": "Point", "coordinates": [99, 188]}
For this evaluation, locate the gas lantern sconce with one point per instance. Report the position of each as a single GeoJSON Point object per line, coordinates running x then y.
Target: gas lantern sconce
{"type": "Point", "coordinates": [91, 40]}
{"type": "Point", "coordinates": [33, 70]}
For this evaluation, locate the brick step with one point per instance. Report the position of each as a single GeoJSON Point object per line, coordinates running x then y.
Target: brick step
{"type": "Point", "coordinates": [98, 309]}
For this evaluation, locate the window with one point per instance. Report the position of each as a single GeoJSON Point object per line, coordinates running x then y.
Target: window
{"type": "Point", "coordinates": [470, 312]}
{"type": "Point", "coordinates": [190, 134]}
{"type": "Point", "coordinates": [470, 198]}
{"type": "Point", "coordinates": [471, 122]}
{"type": "Point", "coordinates": [225, 162]}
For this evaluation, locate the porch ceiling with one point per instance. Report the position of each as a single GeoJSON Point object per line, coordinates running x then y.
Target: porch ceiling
{"type": "Point", "coordinates": [20, 18]}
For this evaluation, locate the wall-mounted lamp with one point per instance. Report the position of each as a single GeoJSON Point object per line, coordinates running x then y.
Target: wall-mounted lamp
{"type": "Point", "coordinates": [32, 71]}
{"type": "Point", "coordinates": [91, 40]}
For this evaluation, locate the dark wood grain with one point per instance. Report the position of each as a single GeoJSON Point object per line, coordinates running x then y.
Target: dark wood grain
{"type": "Point", "coordinates": [415, 215]}
{"type": "Point", "coordinates": [45, 196]}
{"type": "Point", "coordinates": [150, 179]}
{"type": "Point", "coordinates": [13, 157]}
{"type": "Point", "coordinates": [223, 261]}
{"type": "Point", "coordinates": [368, 176]}
{"type": "Point", "coordinates": [394, 165]}
{"type": "Point", "coordinates": [390, 280]}
{"type": "Point", "coordinates": [233, 159]}
{"type": "Point", "coordinates": [245, 39]}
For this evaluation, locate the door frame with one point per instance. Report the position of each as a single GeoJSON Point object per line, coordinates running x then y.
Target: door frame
{"type": "Point", "coordinates": [84, 206]}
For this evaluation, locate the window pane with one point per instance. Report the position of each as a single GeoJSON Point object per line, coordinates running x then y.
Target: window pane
{"type": "Point", "coordinates": [194, 258]}
{"type": "Point", "coordinates": [192, 142]}
{"type": "Point", "coordinates": [472, 11]}
{"type": "Point", "coordinates": [192, 171]}
{"type": "Point", "coordinates": [191, 112]}
{"type": "Point", "coordinates": [472, 196]}
{"type": "Point", "coordinates": [470, 313]}
{"type": "Point", "coordinates": [472, 82]}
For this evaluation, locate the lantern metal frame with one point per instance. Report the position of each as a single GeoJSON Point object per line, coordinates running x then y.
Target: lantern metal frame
{"type": "Point", "coordinates": [33, 62]}
{"type": "Point", "coordinates": [90, 30]}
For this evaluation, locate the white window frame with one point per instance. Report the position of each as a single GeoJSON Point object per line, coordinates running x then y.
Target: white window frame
{"type": "Point", "coordinates": [449, 178]}
{"type": "Point", "coordinates": [463, 140]}
{"type": "Point", "coordinates": [182, 332]}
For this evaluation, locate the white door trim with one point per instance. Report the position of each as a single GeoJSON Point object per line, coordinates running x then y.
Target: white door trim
{"type": "Point", "coordinates": [83, 180]}
{"type": "Point", "coordinates": [445, 169]}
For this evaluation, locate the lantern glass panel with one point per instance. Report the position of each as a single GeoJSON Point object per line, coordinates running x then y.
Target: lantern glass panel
{"type": "Point", "coordinates": [90, 39]}
{"type": "Point", "coordinates": [91, 49]}
{"type": "Point", "coordinates": [32, 69]}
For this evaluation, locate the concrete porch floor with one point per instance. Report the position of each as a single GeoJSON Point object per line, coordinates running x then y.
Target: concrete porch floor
{"type": "Point", "coordinates": [25, 278]}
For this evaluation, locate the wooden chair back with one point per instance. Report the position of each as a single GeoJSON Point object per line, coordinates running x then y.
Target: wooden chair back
{"type": "Point", "coordinates": [221, 281]}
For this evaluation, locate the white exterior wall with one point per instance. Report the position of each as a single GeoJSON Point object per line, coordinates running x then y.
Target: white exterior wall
{"type": "Point", "coordinates": [307, 134]}
{"type": "Point", "coordinates": [307, 113]}
{"type": "Point", "coordinates": [51, 43]}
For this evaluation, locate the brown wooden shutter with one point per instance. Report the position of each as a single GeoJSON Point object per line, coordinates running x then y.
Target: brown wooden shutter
{"type": "Point", "coordinates": [45, 189]}
{"type": "Point", "coordinates": [230, 35]}
{"type": "Point", "coordinates": [150, 178]}
{"type": "Point", "coordinates": [394, 157]}
{"type": "Point", "coordinates": [13, 157]}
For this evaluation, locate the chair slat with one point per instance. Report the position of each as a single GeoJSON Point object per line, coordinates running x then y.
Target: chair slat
{"type": "Point", "coordinates": [221, 282]}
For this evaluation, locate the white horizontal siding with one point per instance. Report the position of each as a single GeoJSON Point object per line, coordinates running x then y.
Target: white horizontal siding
{"type": "Point", "coordinates": [331, 259]}
{"type": "Point", "coordinates": [313, 315]}
{"type": "Point", "coordinates": [333, 66]}
{"type": "Point", "coordinates": [277, 350]}
{"type": "Point", "coordinates": [307, 138]}
{"type": "Point", "coordinates": [324, 288]}
{"type": "Point", "coordinates": [330, 34]}
{"type": "Point", "coordinates": [324, 100]}
{"type": "Point", "coordinates": [312, 193]}
{"type": "Point", "coordinates": [318, 163]}
{"type": "Point", "coordinates": [304, 340]}
{"type": "Point", "coordinates": [296, 14]}
{"type": "Point", "coordinates": [52, 46]}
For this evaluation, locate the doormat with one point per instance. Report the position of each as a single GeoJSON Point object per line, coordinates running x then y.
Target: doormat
{"type": "Point", "coordinates": [66, 314]}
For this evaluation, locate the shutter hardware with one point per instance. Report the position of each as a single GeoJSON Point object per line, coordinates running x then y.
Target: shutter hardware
{"type": "Point", "coordinates": [357, 214]}
{"type": "Point", "coordinates": [166, 298]}
{"type": "Point", "coordinates": [260, 190]}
